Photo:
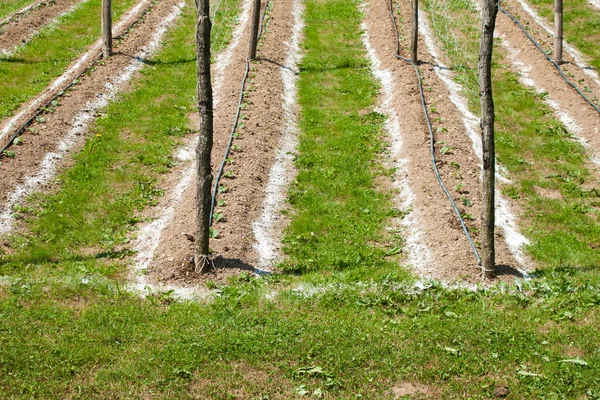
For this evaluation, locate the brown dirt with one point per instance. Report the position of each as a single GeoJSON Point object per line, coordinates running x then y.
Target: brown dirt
{"type": "Point", "coordinates": [35, 146]}
{"type": "Point", "coordinates": [414, 391]}
{"type": "Point", "coordinates": [547, 77]}
{"type": "Point", "coordinates": [243, 381]}
{"type": "Point", "coordinates": [20, 30]}
{"type": "Point", "coordinates": [452, 257]}
{"type": "Point", "coordinates": [257, 141]}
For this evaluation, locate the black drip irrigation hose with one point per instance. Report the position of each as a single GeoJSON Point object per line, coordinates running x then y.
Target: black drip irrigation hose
{"type": "Point", "coordinates": [61, 93]}
{"type": "Point", "coordinates": [235, 124]}
{"type": "Point", "coordinates": [228, 149]}
{"type": "Point", "coordinates": [44, 108]}
{"type": "Point", "coordinates": [26, 11]}
{"type": "Point", "coordinates": [516, 21]}
{"type": "Point", "coordinates": [431, 135]}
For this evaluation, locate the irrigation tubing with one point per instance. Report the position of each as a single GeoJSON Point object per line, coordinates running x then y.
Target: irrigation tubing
{"type": "Point", "coordinates": [431, 136]}
{"type": "Point", "coordinates": [24, 11]}
{"type": "Point", "coordinates": [61, 93]}
{"type": "Point", "coordinates": [44, 108]}
{"type": "Point", "coordinates": [235, 124]}
{"type": "Point", "coordinates": [516, 21]}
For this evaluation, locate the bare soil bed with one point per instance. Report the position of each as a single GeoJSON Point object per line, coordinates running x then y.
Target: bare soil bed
{"type": "Point", "coordinates": [254, 152]}
{"type": "Point", "coordinates": [452, 258]}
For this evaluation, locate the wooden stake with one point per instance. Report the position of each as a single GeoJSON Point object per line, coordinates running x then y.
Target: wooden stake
{"type": "Point", "coordinates": [106, 28]}
{"type": "Point", "coordinates": [558, 31]}
{"type": "Point", "coordinates": [488, 23]}
{"type": "Point", "coordinates": [205, 142]}
{"type": "Point", "coordinates": [414, 29]}
{"type": "Point", "coordinates": [254, 30]}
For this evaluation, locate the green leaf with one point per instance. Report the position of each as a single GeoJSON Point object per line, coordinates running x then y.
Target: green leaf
{"type": "Point", "coordinates": [576, 361]}
{"type": "Point", "coordinates": [451, 350]}
{"type": "Point", "coordinates": [394, 251]}
{"type": "Point", "coordinates": [524, 372]}
{"type": "Point", "coordinates": [301, 390]}
{"type": "Point", "coordinates": [450, 314]}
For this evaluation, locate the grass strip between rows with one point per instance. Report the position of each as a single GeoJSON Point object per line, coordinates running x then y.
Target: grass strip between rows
{"type": "Point", "coordinates": [32, 67]}
{"type": "Point", "coordinates": [549, 169]}
{"type": "Point", "coordinates": [338, 212]}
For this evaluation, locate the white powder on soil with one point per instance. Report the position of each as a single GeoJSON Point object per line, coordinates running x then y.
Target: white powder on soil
{"type": "Point", "coordinates": [419, 255]}
{"type": "Point", "coordinates": [282, 172]}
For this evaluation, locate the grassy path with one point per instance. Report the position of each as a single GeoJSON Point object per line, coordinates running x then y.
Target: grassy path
{"type": "Point", "coordinates": [338, 212]}
{"type": "Point", "coordinates": [549, 170]}
{"type": "Point", "coordinates": [362, 333]}
{"type": "Point", "coordinates": [30, 69]}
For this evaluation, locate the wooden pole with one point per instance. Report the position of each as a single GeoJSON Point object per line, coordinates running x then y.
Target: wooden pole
{"type": "Point", "coordinates": [106, 28]}
{"type": "Point", "coordinates": [558, 31]}
{"type": "Point", "coordinates": [414, 29]}
{"type": "Point", "coordinates": [488, 23]}
{"type": "Point", "coordinates": [205, 142]}
{"type": "Point", "coordinates": [254, 30]}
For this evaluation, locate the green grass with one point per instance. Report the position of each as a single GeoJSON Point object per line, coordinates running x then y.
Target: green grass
{"type": "Point", "coordinates": [85, 339]}
{"type": "Point", "coordinates": [338, 212]}
{"type": "Point", "coordinates": [581, 23]}
{"type": "Point", "coordinates": [549, 169]}
{"type": "Point", "coordinates": [8, 7]}
{"type": "Point", "coordinates": [29, 70]}
{"type": "Point", "coordinates": [69, 329]}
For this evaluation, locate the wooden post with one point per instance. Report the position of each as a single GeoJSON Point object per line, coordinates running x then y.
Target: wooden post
{"type": "Point", "coordinates": [414, 29]}
{"type": "Point", "coordinates": [558, 31]}
{"type": "Point", "coordinates": [106, 28]}
{"type": "Point", "coordinates": [488, 23]}
{"type": "Point", "coordinates": [205, 142]}
{"type": "Point", "coordinates": [254, 30]}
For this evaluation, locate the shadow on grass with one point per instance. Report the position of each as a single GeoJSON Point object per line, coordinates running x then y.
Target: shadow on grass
{"type": "Point", "coordinates": [221, 263]}
{"type": "Point", "coordinates": [507, 270]}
